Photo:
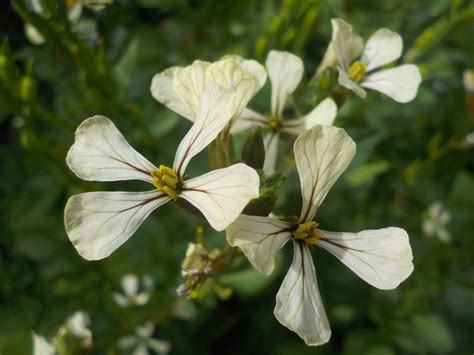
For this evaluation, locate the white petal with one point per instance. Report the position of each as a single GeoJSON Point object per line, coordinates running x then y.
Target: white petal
{"type": "Point", "coordinates": [41, 346]}
{"type": "Point", "coordinates": [141, 349]}
{"type": "Point", "coordinates": [298, 303]}
{"type": "Point", "coordinates": [101, 153]}
{"type": "Point", "coordinates": [400, 83]}
{"type": "Point", "coordinates": [380, 257]}
{"type": "Point", "coordinates": [142, 299]}
{"type": "Point", "coordinates": [230, 75]}
{"type": "Point", "coordinates": [217, 107]}
{"type": "Point", "coordinates": [248, 119]}
{"type": "Point", "coordinates": [120, 299]}
{"type": "Point", "coordinates": [322, 153]}
{"type": "Point", "coordinates": [324, 113]}
{"type": "Point", "coordinates": [329, 60]}
{"type": "Point", "coordinates": [162, 347]}
{"type": "Point", "coordinates": [127, 342]}
{"type": "Point", "coordinates": [270, 142]}
{"type": "Point", "coordinates": [285, 71]}
{"type": "Point", "coordinates": [383, 47]}
{"type": "Point", "coordinates": [145, 331]}
{"type": "Point", "coordinates": [129, 284]}
{"type": "Point", "coordinates": [347, 82]}
{"type": "Point", "coordinates": [163, 90]}
{"type": "Point", "coordinates": [253, 68]}
{"type": "Point", "coordinates": [260, 238]}
{"type": "Point", "coordinates": [97, 223]}
{"type": "Point", "coordinates": [222, 194]}
{"type": "Point", "coordinates": [346, 44]}
{"type": "Point", "coordinates": [189, 84]}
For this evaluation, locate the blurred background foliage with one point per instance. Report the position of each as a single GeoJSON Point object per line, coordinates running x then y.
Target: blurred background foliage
{"type": "Point", "coordinates": [409, 156]}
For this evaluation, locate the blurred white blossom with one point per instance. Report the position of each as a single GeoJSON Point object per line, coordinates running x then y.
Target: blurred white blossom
{"type": "Point", "coordinates": [435, 222]}
{"type": "Point", "coordinates": [41, 346]}
{"type": "Point", "coordinates": [141, 342]}
{"type": "Point", "coordinates": [131, 294]}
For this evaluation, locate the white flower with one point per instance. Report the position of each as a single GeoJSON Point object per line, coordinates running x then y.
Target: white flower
{"type": "Point", "coordinates": [78, 325]}
{"type": "Point", "coordinates": [356, 70]}
{"type": "Point", "coordinates": [435, 221]}
{"type": "Point", "coordinates": [468, 140]}
{"type": "Point", "coordinates": [381, 257]}
{"type": "Point", "coordinates": [97, 223]}
{"type": "Point", "coordinates": [142, 340]}
{"type": "Point", "coordinates": [41, 346]}
{"type": "Point", "coordinates": [131, 296]}
{"type": "Point", "coordinates": [180, 88]}
{"type": "Point", "coordinates": [285, 71]}
{"type": "Point", "coordinates": [468, 81]}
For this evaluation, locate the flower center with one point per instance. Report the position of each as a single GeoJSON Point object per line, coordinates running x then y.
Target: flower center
{"type": "Point", "coordinates": [274, 123]}
{"type": "Point", "coordinates": [307, 232]}
{"type": "Point", "coordinates": [166, 180]}
{"type": "Point", "coordinates": [357, 71]}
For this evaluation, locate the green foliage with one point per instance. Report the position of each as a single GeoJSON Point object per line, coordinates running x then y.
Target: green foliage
{"type": "Point", "coordinates": [408, 156]}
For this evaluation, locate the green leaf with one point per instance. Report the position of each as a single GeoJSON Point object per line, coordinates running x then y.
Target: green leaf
{"type": "Point", "coordinates": [123, 69]}
{"type": "Point", "coordinates": [268, 195]}
{"type": "Point", "coordinates": [366, 173]}
{"type": "Point", "coordinates": [433, 331]}
{"type": "Point", "coordinates": [253, 152]}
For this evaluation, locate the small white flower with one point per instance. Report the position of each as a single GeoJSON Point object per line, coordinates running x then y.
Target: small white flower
{"type": "Point", "coordinates": [468, 140]}
{"type": "Point", "coordinates": [142, 341]}
{"type": "Point", "coordinates": [468, 81]}
{"type": "Point", "coordinates": [356, 70]}
{"type": "Point", "coordinates": [130, 286]}
{"type": "Point", "coordinates": [78, 325]}
{"type": "Point", "coordinates": [180, 88]}
{"type": "Point", "coordinates": [41, 346]}
{"type": "Point", "coordinates": [97, 223]}
{"type": "Point", "coordinates": [285, 71]}
{"type": "Point", "coordinates": [435, 221]}
{"type": "Point", "coordinates": [381, 257]}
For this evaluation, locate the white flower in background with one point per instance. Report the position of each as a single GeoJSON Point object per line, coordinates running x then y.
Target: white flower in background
{"type": "Point", "coordinates": [78, 325]}
{"type": "Point", "coordinates": [97, 223]}
{"type": "Point", "coordinates": [140, 342]}
{"type": "Point", "coordinates": [41, 346]}
{"type": "Point", "coordinates": [84, 28]}
{"type": "Point", "coordinates": [381, 257]}
{"type": "Point", "coordinates": [468, 81]}
{"type": "Point", "coordinates": [435, 221]}
{"type": "Point", "coordinates": [468, 140]}
{"type": "Point", "coordinates": [357, 71]}
{"type": "Point", "coordinates": [285, 71]}
{"type": "Point", "coordinates": [180, 88]}
{"type": "Point", "coordinates": [131, 295]}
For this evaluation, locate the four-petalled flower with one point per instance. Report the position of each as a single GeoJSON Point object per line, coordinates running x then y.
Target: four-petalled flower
{"type": "Point", "coordinates": [97, 223]}
{"type": "Point", "coordinates": [356, 70]}
{"type": "Point", "coordinates": [381, 257]}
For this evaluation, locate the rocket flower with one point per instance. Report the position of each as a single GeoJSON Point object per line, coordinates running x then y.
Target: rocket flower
{"type": "Point", "coordinates": [97, 223]}
{"type": "Point", "coordinates": [381, 257]}
{"type": "Point", "coordinates": [358, 71]}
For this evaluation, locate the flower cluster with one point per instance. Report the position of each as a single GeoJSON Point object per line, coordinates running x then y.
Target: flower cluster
{"type": "Point", "coordinates": [214, 96]}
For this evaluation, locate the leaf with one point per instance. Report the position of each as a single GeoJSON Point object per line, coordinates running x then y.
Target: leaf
{"type": "Point", "coordinates": [364, 174]}
{"type": "Point", "coordinates": [268, 195]}
{"type": "Point", "coordinates": [433, 331]}
{"type": "Point", "coordinates": [253, 152]}
{"type": "Point", "coordinates": [123, 69]}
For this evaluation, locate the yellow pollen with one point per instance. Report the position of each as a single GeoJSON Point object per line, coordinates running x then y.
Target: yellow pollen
{"type": "Point", "coordinates": [357, 71]}
{"type": "Point", "coordinates": [308, 233]}
{"type": "Point", "coordinates": [274, 123]}
{"type": "Point", "coordinates": [166, 180]}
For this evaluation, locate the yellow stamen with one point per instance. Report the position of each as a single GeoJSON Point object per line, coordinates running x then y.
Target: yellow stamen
{"type": "Point", "coordinates": [166, 180]}
{"type": "Point", "coordinates": [274, 123]}
{"type": "Point", "coordinates": [357, 71]}
{"type": "Point", "coordinates": [308, 233]}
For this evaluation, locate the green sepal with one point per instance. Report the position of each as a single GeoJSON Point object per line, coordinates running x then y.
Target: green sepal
{"type": "Point", "coordinates": [186, 206]}
{"type": "Point", "coordinates": [217, 156]}
{"type": "Point", "coordinates": [268, 195]}
{"type": "Point", "coordinates": [253, 152]}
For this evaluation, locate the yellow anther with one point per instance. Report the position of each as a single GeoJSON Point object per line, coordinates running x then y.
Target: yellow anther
{"type": "Point", "coordinates": [274, 123]}
{"type": "Point", "coordinates": [166, 180]}
{"type": "Point", "coordinates": [357, 71]}
{"type": "Point", "coordinates": [308, 233]}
